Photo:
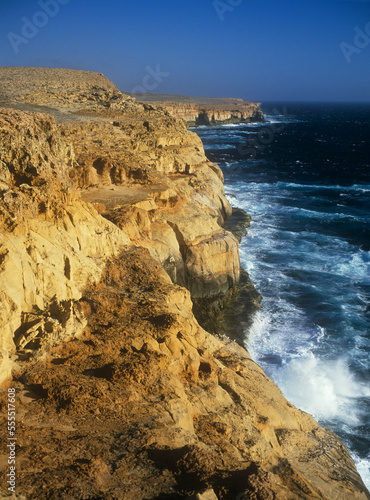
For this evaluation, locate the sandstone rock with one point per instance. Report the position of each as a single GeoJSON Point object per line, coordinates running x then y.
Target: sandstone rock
{"type": "Point", "coordinates": [205, 495]}
{"type": "Point", "coordinates": [206, 111]}
{"type": "Point", "coordinates": [125, 395]}
{"type": "Point", "coordinates": [69, 89]}
{"type": "Point", "coordinates": [187, 201]}
{"type": "Point", "coordinates": [32, 151]}
{"type": "Point", "coordinates": [180, 411]}
{"type": "Point", "coordinates": [51, 244]}
{"type": "Point", "coordinates": [55, 238]}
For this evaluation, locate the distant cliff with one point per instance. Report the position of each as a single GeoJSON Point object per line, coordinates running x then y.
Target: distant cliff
{"type": "Point", "coordinates": [112, 225]}
{"type": "Point", "coordinates": [206, 111]}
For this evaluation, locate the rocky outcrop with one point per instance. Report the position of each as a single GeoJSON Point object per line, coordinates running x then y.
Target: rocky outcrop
{"type": "Point", "coordinates": [60, 87]}
{"type": "Point", "coordinates": [120, 393]}
{"type": "Point", "coordinates": [221, 111]}
{"type": "Point", "coordinates": [179, 214]}
{"type": "Point", "coordinates": [51, 243]}
{"type": "Point", "coordinates": [144, 172]}
{"type": "Point", "coordinates": [148, 405]}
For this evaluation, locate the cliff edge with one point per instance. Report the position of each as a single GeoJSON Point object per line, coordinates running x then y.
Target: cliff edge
{"type": "Point", "coordinates": [206, 111]}
{"type": "Point", "coordinates": [111, 225]}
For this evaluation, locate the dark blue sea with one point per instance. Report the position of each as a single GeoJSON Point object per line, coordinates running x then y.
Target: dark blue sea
{"type": "Point", "coordinates": [305, 178]}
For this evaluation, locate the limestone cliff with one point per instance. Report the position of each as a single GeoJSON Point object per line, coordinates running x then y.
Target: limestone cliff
{"type": "Point", "coordinates": [144, 171]}
{"type": "Point", "coordinates": [179, 214]}
{"type": "Point", "coordinates": [111, 223]}
{"type": "Point", "coordinates": [61, 87]}
{"type": "Point", "coordinates": [195, 114]}
{"type": "Point", "coordinates": [206, 111]}
{"type": "Point", "coordinates": [148, 405]}
{"type": "Point", "coordinates": [51, 243]}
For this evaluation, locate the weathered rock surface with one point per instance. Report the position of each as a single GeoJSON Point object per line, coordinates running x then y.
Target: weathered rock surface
{"type": "Point", "coordinates": [179, 213]}
{"type": "Point", "coordinates": [148, 405]}
{"type": "Point", "coordinates": [145, 172]}
{"type": "Point", "coordinates": [120, 394]}
{"type": "Point", "coordinates": [206, 111]}
{"type": "Point", "coordinates": [51, 243]}
{"type": "Point", "coordinates": [61, 87]}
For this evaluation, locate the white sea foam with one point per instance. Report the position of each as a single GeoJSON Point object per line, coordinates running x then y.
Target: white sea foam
{"type": "Point", "coordinates": [334, 187]}
{"type": "Point", "coordinates": [259, 326]}
{"type": "Point", "coordinates": [231, 125]}
{"type": "Point", "coordinates": [353, 266]}
{"type": "Point", "coordinates": [363, 467]}
{"type": "Point", "coordinates": [324, 388]}
{"type": "Point", "coordinates": [328, 391]}
{"type": "Point", "coordinates": [220, 146]}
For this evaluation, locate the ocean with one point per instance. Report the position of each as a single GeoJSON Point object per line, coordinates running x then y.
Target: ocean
{"type": "Point", "coordinates": [304, 177]}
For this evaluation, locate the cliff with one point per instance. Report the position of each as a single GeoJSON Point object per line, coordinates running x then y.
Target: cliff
{"type": "Point", "coordinates": [206, 111]}
{"type": "Point", "coordinates": [111, 225]}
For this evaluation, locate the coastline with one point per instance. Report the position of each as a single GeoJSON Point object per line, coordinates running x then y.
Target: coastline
{"type": "Point", "coordinates": [198, 111]}
{"type": "Point", "coordinates": [311, 336]}
{"type": "Point", "coordinates": [107, 351]}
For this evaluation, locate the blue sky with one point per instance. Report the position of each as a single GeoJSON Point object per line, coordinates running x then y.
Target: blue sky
{"type": "Point", "coordinates": [259, 50]}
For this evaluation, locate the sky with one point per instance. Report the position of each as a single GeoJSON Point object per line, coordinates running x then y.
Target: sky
{"type": "Point", "coordinates": [264, 50]}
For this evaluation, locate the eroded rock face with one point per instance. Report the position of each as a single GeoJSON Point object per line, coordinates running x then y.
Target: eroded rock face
{"type": "Point", "coordinates": [51, 243]}
{"type": "Point", "coordinates": [60, 87]}
{"type": "Point", "coordinates": [206, 111]}
{"type": "Point", "coordinates": [120, 393]}
{"type": "Point", "coordinates": [148, 404]}
{"type": "Point", "coordinates": [183, 206]}
{"type": "Point", "coordinates": [55, 243]}
{"type": "Point", "coordinates": [195, 114]}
